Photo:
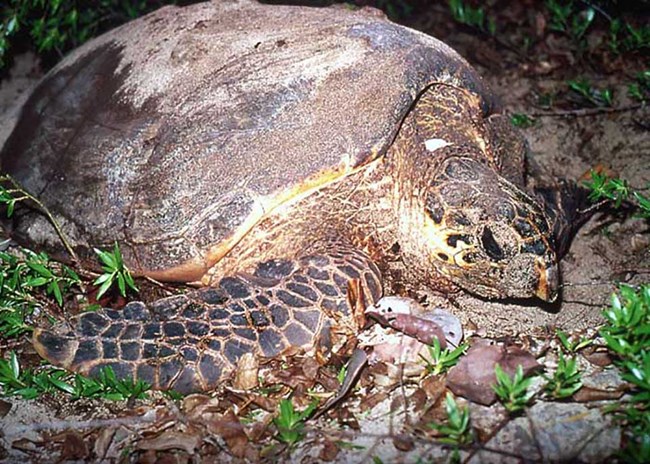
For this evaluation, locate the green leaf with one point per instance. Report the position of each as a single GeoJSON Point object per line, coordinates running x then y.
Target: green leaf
{"type": "Point", "coordinates": [104, 288]}
{"type": "Point", "coordinates": [103, 278]}
{"type": "Point", "coordinates": [106, 258]}
{"type": "Point", "coordinates": [36, 282]}
{"type": "Point", "coordinates": [56, 290]}
{"type": "Point", "coordinates": [121, 284]}
{"type": "Point", "coordinates": [15, 367]}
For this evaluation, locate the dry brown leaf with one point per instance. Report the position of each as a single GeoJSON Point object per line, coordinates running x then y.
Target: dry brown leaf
{"type": "Point", "coordinates": [403, 442]}
{"type": "Point", "coordinates": [587, 394]}
{"type": "Point", "coordinates": [5, 407]}
{"type": "Point", "coordinates": [597, 357]}
{"type": "Point", "coordinates": [434, 386]}
{"type": "Point", "coordinates": [74, 446]}
{"type": "Point", "coordinates": [310, 367]}
{"type": "Point", "coordinates": [246, 374]}
{"type": "Point", "coordinates": [103, 442]}
{"type": "Point", "coordinates": [169, 440]}
{"type": "Point", "coordinates": [329, 451]}
{"type": "Point", "coordinates": [232, 432]}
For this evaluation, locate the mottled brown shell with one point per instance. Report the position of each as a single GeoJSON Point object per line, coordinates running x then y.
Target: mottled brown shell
{"type": "Point", "coordinates": [176, 133]}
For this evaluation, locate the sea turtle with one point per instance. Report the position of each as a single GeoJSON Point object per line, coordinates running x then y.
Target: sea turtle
{"type": "Point", "coordinates": [274, 154]}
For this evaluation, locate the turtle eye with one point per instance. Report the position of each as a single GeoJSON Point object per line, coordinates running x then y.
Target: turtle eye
{"type": "Point", "coordinates": [490, 245]}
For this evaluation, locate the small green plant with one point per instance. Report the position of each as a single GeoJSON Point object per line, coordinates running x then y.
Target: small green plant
{"type": "Point", "coordinates": [569, 19]}
{"type": "Point", "coordinates": [25, 283]}
{"type": "Point", "coordinates": [30, 383]}
{"type": "Point", "coordinates": [107, 386]}
{"type": "Point", "coordinates": [627, 335]}
{"type": "Point", "coordinates": [572, 344]}
{"type": "Point", "coordinates": [441, 360]}
{"type": "Point", "coordinates": [522, 120]}
{"type": "Point", "coordinates": [512, 391]}
{"type": "Point", "coordinates": [627, 332]}
{"type": "Point", "coordinates": [457, 430]}
{"type": "Point", "coordinates": [472, 17]}
{"type": "Point", "coordinates": [57, 25]}
{"type": "Point", "coordinates": [589, 94]}
{"type": "Point", "coordinates": [566, 379]}
{"type": "Point", "coordinates": [290, 423]}
{"type": "Point", "coordinates": [342, 373]}
{"type": "Point", "coordinates": [616, 190]}
{"type": "Point", "coordinates": [115, 271]}
{"type": "Point", "coordinates": [640, 90]}
{"type": "Point", "coordinates": [624, 37]}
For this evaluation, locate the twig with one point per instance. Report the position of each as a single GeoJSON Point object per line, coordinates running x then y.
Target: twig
{"type": "Point", "coordinates": [44, 210]}
{"type": "Point", "coordinates": [585, 111]}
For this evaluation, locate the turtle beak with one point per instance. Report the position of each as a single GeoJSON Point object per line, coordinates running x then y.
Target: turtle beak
{"type": "Point", "coordinates": [548, 283]}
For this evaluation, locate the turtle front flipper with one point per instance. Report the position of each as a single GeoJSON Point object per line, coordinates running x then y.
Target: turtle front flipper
{"type": "Point", "coordinates": [191, 342]}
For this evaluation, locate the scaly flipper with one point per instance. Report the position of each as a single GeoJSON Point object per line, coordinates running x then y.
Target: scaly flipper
{"type": "Point", "coordinates": [191, 342]}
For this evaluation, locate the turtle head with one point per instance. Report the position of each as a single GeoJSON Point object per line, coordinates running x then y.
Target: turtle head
{"type": "Point", "coordinates": [486, 235]}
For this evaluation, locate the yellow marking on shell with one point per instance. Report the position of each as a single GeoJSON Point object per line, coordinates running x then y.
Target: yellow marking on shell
{"type": "Point", "coordinates": [196, 270]}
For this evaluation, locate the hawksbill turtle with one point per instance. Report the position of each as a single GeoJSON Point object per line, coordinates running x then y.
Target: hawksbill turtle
{"type": "Point", "coordinates": [274, 155]}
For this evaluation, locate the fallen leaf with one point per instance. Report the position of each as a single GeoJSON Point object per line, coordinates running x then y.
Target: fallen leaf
{"type": "Point", "coordinates": [232, 432]}
{"type": "Point", "coordinates": [246, 374]}
{"type": "Point", "coordinates": [74, 447]}
{"type": "Point", "coordinates": [169, 440]}
{"type": "Point", "coordinates": [5, 407]}
{"type": "Point", "coordinates": [103, 441]}
{"type": "Point", "coordinates": [587, 394]}
{"type": "Point", "coordinates": [403, 442]}
{"type": "Point", "coordinates": [596, 356]}
{"type": "Point", "coordinates": [434, 387]}
{"type": "Point", "coordinates": [329, 451]}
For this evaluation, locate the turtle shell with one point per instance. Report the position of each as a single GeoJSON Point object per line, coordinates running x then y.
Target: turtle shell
{"type": "Point", "coordinates": [178, 132]}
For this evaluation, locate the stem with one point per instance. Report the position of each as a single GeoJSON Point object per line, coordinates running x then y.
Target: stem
{"type": "Point", "coordinates": [44, 210]}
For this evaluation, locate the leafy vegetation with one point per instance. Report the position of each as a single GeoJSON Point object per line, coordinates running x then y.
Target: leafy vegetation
{"type": "Point", "coordinates": [572, 344]}
{"type": "Point", "coordinates": [566, 379]}
{"type": "Point", "coordinates": [290, 423]}
{"type": "Point", "coordinates": [627, 335]}
{"type": "Point", "coordinates": [616, 190]}
{"type": "Point", "coordinates": [589, 94]}
{"type": "Point", "coordinates": [472, 17]}
{"type": "Point", "coordinates": [512, 391]}
{"type": "Point", "coordinates": [56, 26]}
{"type": "Point", "coordinates": [457, 430]}
{"type": "Point", "coordinates": [26, 283]}
{"type": "Point", "coordinates": [29, 383]}
{"type": "Point", "coordinates": [570, 18]}
{"type": "Point", "coordinates": [115, 272]}
{"type": "Point", "coordinates": [640, 89]}
{"type": "Point", "coordinates": [442, 360]}
{"type": "Point", "coordinates": [522, 120]}
{"type": "Point", "coordinates": [624, 37]}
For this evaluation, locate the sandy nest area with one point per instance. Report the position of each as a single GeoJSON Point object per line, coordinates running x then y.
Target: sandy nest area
{"type": "Point", "coordinates": [384, 417]}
